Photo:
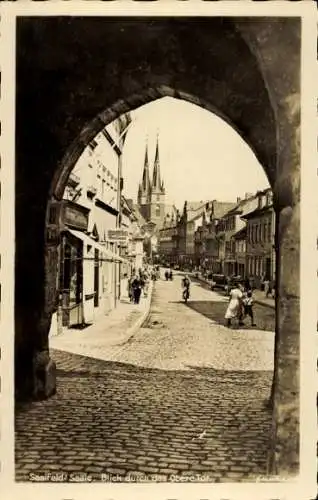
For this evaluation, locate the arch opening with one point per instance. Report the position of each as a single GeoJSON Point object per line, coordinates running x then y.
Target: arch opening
{"type": "Point", "coordinates": [229, 81]}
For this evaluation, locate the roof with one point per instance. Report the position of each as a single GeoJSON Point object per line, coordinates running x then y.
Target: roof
{"type": "Point", "coordinates": [193, 206]}
{"type": "Point", "coordinates": [133, 207]}
{"type": "Point", "coordinates": [195, 216]}
{"type": "Point", "coordinates": [140, 218]}
{"type": "Point", "coordinates": [257, 212]}
{"type": "Point", "coordinates": [241, 234]}
{"type": "Point", "coordinates": [195, 209]}
{"type": "Point", "coordinates": [220, 208]}
{"type": "Point", "coordinates": [238, 208]}
{"type": "Point", "coordinates": [129, 202]}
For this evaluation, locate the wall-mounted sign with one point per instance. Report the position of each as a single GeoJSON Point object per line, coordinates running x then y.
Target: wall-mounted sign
{"type": "Point", "coordinates": [117, 235]}
{"type": "Point", "coordinates": [75, 216]}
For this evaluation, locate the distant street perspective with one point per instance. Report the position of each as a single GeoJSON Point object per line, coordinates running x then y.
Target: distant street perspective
{"type": "Point", "coordinates": [182, 398]}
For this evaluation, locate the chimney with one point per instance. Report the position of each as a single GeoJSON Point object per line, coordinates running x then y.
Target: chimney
{"type": "Point", "coordinates": [238, 199]}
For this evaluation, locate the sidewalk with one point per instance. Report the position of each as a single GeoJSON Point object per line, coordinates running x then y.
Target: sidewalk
{"type": "Point", "coordinates": [259, 295]}
{"type": "Point", "coordinates": [111, 331]}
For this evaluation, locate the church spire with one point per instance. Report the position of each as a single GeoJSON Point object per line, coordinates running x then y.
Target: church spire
{"type": "Point", "coordinates": [145, 175]}
{"type": "Point", "coordinates": [156, 180]}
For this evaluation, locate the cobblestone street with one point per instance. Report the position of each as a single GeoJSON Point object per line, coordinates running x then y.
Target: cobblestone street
{"type": "Point", "coordinates": [185, 396]}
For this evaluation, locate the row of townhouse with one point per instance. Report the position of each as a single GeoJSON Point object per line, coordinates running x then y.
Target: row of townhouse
{"type": "Point", "coordinates": [246, 239]}
{"type": "Point", "coordinates": [177, 241]}
{"type": "Point", "coordinates": [98, 230]}
{"type": "Point", "coordinates": [226, 238]}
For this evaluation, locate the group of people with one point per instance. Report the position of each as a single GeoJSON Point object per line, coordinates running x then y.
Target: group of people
{"type": "Point", "coordinates": [155, 273]}
{"type": "Point", "coordinates": [168, 275]}
{"type": "Point", "coordinates": [138, 283]}
{"type": "Point", "coordinates": [240, 304]}
{"type": "Point", "coordinates": [268, 286]}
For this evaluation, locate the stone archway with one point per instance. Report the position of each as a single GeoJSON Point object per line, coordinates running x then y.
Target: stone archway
{"type": "Point", "coordinates": [97, 69]}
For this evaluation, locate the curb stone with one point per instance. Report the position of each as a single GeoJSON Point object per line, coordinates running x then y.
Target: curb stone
{"type": "Point", "coordinates": [133, 329]}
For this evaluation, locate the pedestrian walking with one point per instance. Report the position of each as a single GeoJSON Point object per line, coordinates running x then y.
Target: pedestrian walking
{"type": "Point", "coordinates": [266, 286]}
{"type": "Point", "coordinates": [136, 287]}
{"type": "Point", "coordinates": [234, 309]}
{"type": "Point", "coordinates": [273, 289]}
{"type": "Point", "coordinates": [142, 282]}
{"type": "Point", "coordinates": [248, 302]}
{"type": "Point", "coordinates": [130, 289]}
{"type": "Point", "coordinates": [185, 284]}
{"type": "Point", "coordinates": [146, 286]}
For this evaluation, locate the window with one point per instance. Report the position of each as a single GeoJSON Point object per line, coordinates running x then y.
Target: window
{"type": "Point", "coordinates": [157, 210]}
{"type": "Point", "coordinates": [93, 144]}
{"type": "Point", "coordinates": [158, 197]}
{"type": "Point", "coordinates": [269, 233]}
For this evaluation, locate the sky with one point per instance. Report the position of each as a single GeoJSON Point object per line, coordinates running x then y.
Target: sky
{"type": "Point", "coordinates": [201, 156]}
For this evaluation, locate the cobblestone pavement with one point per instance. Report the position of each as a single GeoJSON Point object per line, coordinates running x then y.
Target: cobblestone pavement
{"type": "Point", "coordinates": [184, 399]}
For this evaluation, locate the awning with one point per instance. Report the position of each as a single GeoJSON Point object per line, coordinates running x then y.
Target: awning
{"type": "Point", "coordinates": [96, 245]}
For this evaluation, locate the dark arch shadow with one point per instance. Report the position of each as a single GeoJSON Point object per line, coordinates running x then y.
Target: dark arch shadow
{"type": "Point", "coordinates": [144, 96]}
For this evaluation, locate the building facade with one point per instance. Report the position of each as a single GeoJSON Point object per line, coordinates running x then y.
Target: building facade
{"type": "Point", "coordinates": [260, 239]}
{"type": "Point", "coordinates": [134, 223]}
{"type": "Point", "coordinates": [206, 243]}
{"type": "Point", "coordinates": [228, 226]}
{"type": "Point", "coordinates": [89, 257]}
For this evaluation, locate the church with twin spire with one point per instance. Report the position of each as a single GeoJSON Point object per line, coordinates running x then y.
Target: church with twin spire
{"type": "Point", "coordinates": [151, 193]}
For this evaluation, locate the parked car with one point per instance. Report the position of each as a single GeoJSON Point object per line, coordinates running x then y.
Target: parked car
{"type": "Point", "coordinates": [232, 282]}
{"type": "Point", "coordinates": [236, 280]}
{"type": "Point", "coordinates": [218, 281]}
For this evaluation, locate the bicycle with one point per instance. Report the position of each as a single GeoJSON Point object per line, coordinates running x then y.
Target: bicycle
{"type": "Point", "coordinates": [186, 295]}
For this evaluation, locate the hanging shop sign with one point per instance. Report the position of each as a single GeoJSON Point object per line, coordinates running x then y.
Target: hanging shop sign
{"type": "Point", "coordinates": [117, 235]}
